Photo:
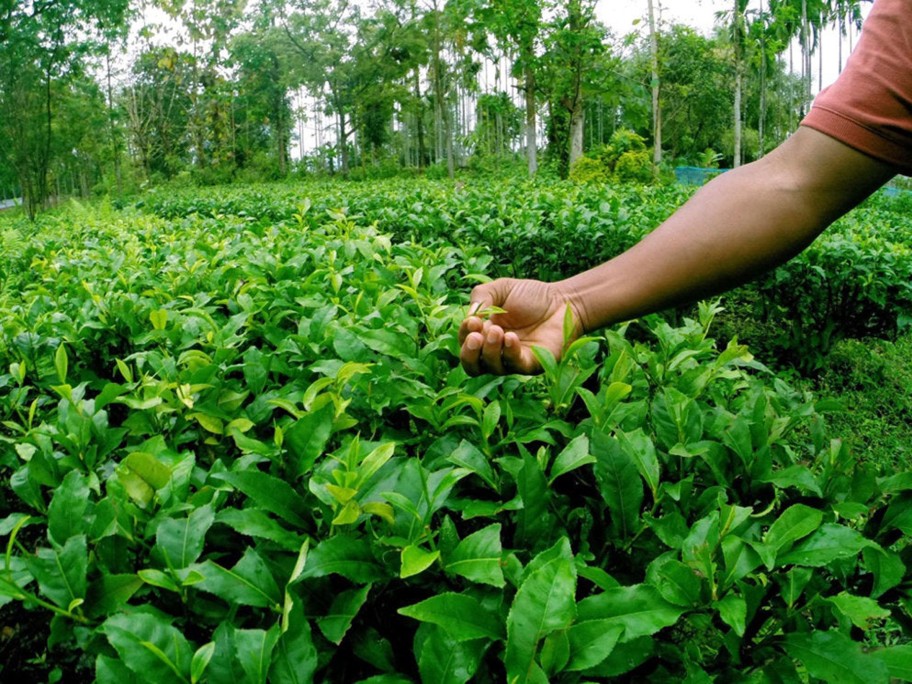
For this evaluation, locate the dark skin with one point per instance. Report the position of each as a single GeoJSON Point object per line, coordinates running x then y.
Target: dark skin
{"type": "Point", "coordinates": [741, 224]}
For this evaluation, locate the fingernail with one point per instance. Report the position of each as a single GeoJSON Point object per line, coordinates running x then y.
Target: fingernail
{"type": "Point", "coordinates": [475, 306]}
{"type": "Point", "coordinates": [508, 341]}
{"type": "Point", "coordinates": [472, 344]}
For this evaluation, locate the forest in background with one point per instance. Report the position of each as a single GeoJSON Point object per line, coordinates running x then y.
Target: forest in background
{"type": "Point", "coordinates": [96, 99]}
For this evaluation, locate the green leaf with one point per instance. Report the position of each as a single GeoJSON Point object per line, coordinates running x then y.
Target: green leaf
{"type": "Point", "coordinates": [574, 455]}
{"type": "Point", "coordinates": [142, 474]}
{"type": "Point", "coordinates": [345, 607]}
{"type": "Point", "coordinates": [899, 514]}
{"type": "Point", "coordinates": [248, 583]}
{"type": "Point", "coordinates": [445, 660]}
{"type": "Point", "coordinates": [859, 609]}
{"type": "Point", "coordinates": [150, 646]}
{"type": "Point", "coordinates": [271, 494]}
{"type": "Point", "coordinates": [624, 658]}
{"type": "Point", "coordinates": [307, 438]}
{"type": "Point", "coordinates": [109, 593]}
{"type": "Point", "coordinates": [461, 615]}
{"type": "Point", "coordinates": [180, 541]}
{"type": "Point", "coordinates": [555, 652]}
{"type": "Point", "coordinates": [157, 578]}
{"type": "Point", "coordinates": [295, 658]}
{"type": "Point", "coordinates": [639, 609]}
{"type": "Point", "coordinates": [543, 604]}
{"type": "Point", "coordinates": [796, 522]}
{"type": "Point", "coordinates": [255, 523]}
{"type": "Point", "coordinates": [797, 476]}
{"type": "Point", "coordinates": [383, 341]}
{"type": "Point", "coordinates": [828, 543]}
{"type": "Point", "coordinates": [641, 449]}
{"type": "Point", "coordinates": [898, 660]}
{"type": "Point", "coordinates": [415, 560]}
{"type": "Point", "coordinates": [350, 557]}
{"type": "Point", "coordinates": [733, 611]}
{"type": "Point", "coordinates": [886, 566]}
{"type": "Point", "coordinates": [478, 557]}
{"type": "Point", "coordinates": [619, 483]}
{"type": "Point", "coordinates": [113, 671]}
{"type": "Point", "coordinates": [490, 418]}
{"type": "Point", "coordinates": [676, 582]}
{"type": "Point", "coordinates": [836, 659]}
{"type": "Point", "coordinates": [159, 319]}
{"type": "Point", "coordinates": [200, 661]}
{"type": "Point", "coordinates": [254, 651]}
{"type": "Point", "coordinates": [534, 519]}
{"type": "Point", "coordinates": [470, 457]}
{"type": "Point", "coordinates": [67, 512]}
{"type": "Point", "coordinates": [61, 571]}
{"type": "Point", "coordinates": [591, 641]}
{"type": "Point", "coordinates": [61, 363]}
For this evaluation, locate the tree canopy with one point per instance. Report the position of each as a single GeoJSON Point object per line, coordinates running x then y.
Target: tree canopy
{"type": "Point", "coordinates": [266, 88]}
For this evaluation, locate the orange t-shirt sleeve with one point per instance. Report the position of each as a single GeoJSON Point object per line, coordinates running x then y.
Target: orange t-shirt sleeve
{"type": "Point", "coordinates": [869, 107]}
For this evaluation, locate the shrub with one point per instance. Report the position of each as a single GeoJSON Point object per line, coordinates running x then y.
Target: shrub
{"type": "Point", "coordinates": [589, 170]}
{"type": "Point", "coordinates": [256, 457]}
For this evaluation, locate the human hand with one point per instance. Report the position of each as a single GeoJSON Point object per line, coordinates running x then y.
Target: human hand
{"type": "Point", "coordinates": [533, 316]}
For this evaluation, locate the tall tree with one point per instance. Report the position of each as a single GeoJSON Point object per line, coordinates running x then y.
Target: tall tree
{"type": "Point", "coordinates": [517, 25]}
{"type": "Point", "coordinates": [41, 46]}
{"type": "Point", "coordinates": [573, 66]}
{"type": "Point", "coordinates": [655, 85]}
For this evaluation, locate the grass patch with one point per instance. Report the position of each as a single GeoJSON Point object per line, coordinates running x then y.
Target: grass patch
{"type": "Point", "coordinates": [873, 380]}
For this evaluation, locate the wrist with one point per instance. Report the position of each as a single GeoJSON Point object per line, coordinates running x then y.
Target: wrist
{"type": "Point", "coordinates": [567, 293]}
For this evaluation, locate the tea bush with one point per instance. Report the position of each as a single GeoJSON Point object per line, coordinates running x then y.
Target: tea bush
{"type": "Point", "coordinates": [240, 449]}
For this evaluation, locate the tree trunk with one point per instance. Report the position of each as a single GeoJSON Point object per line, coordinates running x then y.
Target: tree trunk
{"type": "Point", "coordinates": [761, 147]}
{"type": "Point", "coordinates": [577, 120]}
{"type": "Point", "coordinates": [656, 111]}
{"type": "Point", "coordinates": [531, 148]}
{"type": "Point", "coordinates": [736, 41]}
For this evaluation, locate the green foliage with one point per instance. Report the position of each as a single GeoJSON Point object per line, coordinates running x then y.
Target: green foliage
{"type": "Point", "coordinates": [873, 380]}
{"type": "Point", "coordinates": [854, 281]}
{"type": "Point", "coordinates": [255, 458]}
{"type": "Point", "coordinates": [625, 159]}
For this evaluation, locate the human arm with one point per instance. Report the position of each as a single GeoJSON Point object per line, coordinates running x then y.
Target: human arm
{"type": "Point", "coordinates": [744, 222]}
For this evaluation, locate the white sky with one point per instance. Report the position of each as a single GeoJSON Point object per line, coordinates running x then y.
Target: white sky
{"type": "Point", "coordinates": [619, 15]}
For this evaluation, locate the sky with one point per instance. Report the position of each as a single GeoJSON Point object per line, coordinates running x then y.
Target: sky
{"type": "Point", "coordinates": [620, 15]}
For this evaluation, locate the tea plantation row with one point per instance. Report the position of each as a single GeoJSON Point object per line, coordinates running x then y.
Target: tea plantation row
{"type": "Point", "coordinates": [238, 448]}
{"type": "Point", "coordinates": [855, 280]}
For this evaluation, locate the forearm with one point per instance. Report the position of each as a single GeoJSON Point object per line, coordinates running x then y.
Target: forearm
{"type": "Point", "coordinates": [742, 223]}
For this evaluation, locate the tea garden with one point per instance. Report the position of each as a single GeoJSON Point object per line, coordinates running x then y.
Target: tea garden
{"type": "Point", "coordinates": [237, 446]}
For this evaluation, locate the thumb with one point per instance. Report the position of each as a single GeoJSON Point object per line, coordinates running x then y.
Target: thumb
{"type": "Point", "coordinates": [489, 294]}
{"type": "Point", "coordinates": [481, 298]}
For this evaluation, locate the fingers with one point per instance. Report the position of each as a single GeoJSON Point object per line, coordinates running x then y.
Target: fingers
{"type": "Point", "coordinates": [482, 351]}
{"type": "Point", "coordinates": [491, 350]}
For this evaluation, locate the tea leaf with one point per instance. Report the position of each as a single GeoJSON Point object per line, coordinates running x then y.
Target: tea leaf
{"type": "Point", "coordinates": [543, 604]}
{"type": "Point", "coordinates": [150, 646]}
{"type": "Point", "coordinates": [61, 572]}
{"type": "Point", "coordinates": [478, 557]}
{"type": "Point", "coordinates": [833, 657]}
{"type": "Point", "coordinates": [639, 609]}
{"type": "Point", "coordinates": [591, 641]}
{"type": "Point", "coordinates": [254, 651]}
{"type": "Point", "coordinates": [67, 512]}
{"type": "Point", "coordinates": [462, 616]}
{"type": "Point", "coordinates": [344, 608]}
{"type": "Point", "coordinates": [180, 541]}
{"type": "Point", "coordinates": [415, 560]}
{"type": "Point", "coordinates": [307, 438]}
{"type": "Point", "coordinates": [248, 583]}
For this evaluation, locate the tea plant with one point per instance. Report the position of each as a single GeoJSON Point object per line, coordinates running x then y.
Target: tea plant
{"type": "Point", "coordinates": [242, 450]}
